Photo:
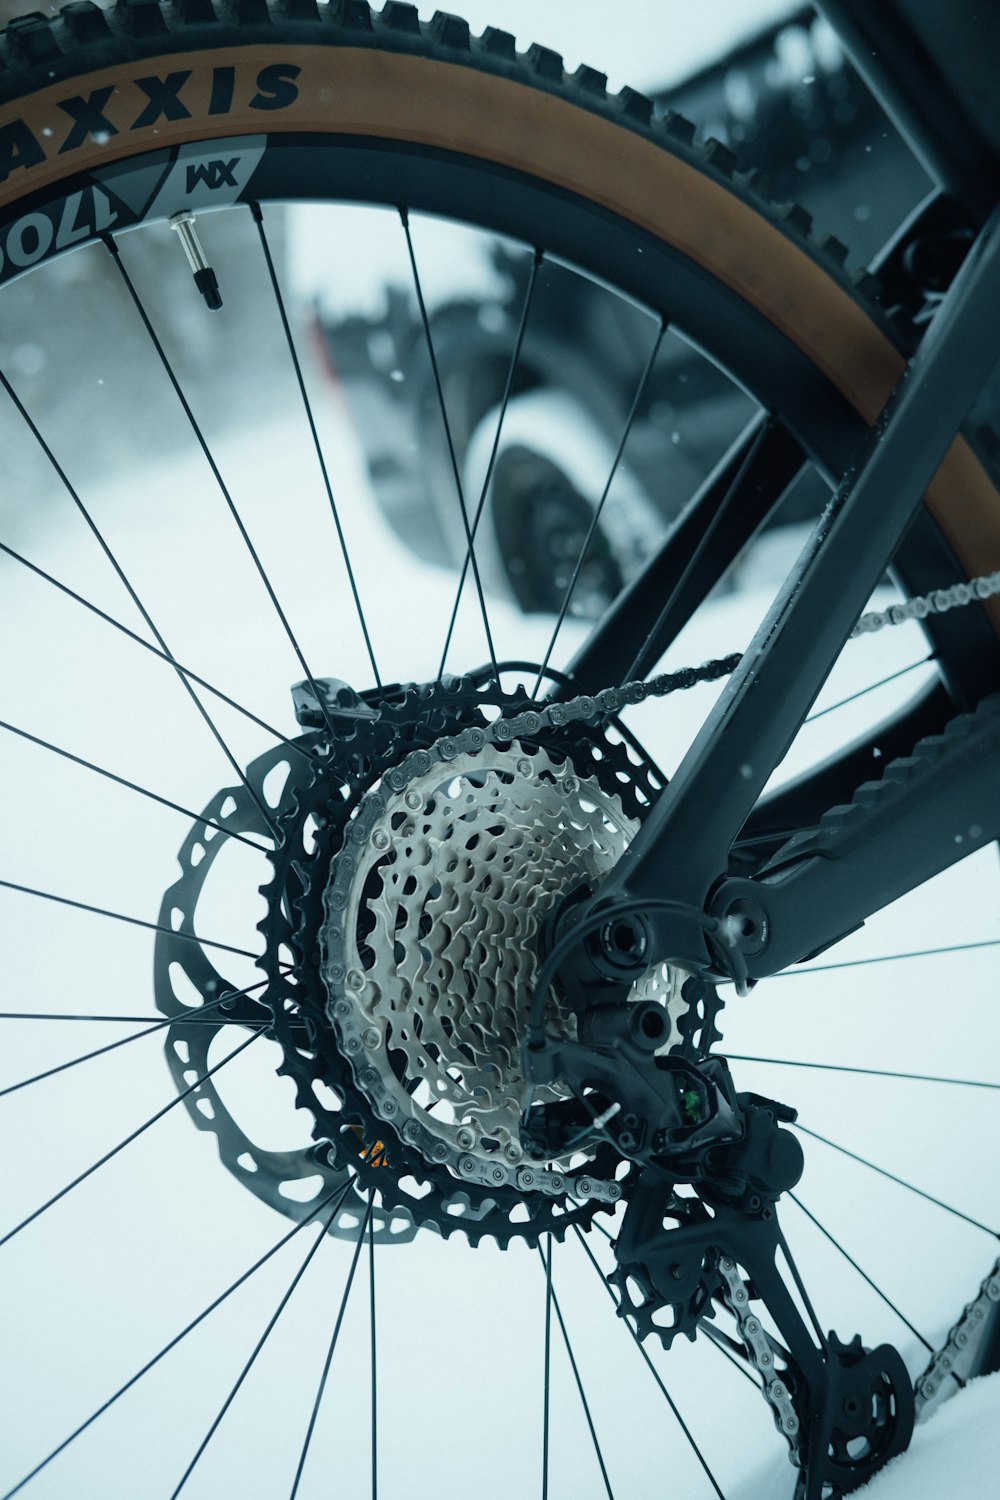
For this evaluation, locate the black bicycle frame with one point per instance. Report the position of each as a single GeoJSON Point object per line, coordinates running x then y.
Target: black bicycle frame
{"type": "Point", "coordinates": [682, 851]}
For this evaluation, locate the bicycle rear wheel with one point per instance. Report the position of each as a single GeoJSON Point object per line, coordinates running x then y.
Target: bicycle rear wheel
{"type": "Point", "coordinates": [115, 123]}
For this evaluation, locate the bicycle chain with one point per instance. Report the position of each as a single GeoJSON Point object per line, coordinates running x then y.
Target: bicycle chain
{"type": "Point", "coordinates": [937, 602]}
{"type": "Point", "coordinates": [774, 1390]}
{"type": "Point", "coordinates": [963, 1339]}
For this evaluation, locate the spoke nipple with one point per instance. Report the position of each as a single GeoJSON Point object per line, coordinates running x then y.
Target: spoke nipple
{"type": "Point", "coordinates": [204, 277]}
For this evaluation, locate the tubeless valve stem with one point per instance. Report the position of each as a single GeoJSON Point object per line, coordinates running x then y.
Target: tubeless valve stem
{"type": "Point", "coordinates": [204, 277]}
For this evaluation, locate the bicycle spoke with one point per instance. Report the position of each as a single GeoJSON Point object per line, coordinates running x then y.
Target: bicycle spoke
{"type": "Point", "coordinates": [258, 218]}
{"type": "Point", "coordinates": [883, 1172]}
{"type": "Point", "coordinates": [576, 1372]}
{"type": "Point", "coordinates": [108, 1155]}
{"type": "Point", "coordinates": [546, 1367]}
{"type": "Point", "coordinates": [189, 1328]}
{"type": "Point", "coordinates": [191, 1016]}
{"type": "Point", "coordinates": [199, 436]}
{"type": "Point", "coordinates": [133, 786]}
{"type": "Point", "coordinates": [536, 263]}
{"type": "Point", "coordinates": [269, 1329]}
{"type": "Point", "coordinates": [862, 692]}
{"type": "Point", "coordinates": [333, 1344]}
{"type": "Point", "coordinates": [719, 1341]}
{"type": "Point", "coordinates": [136, 1035]}
{"type": "Point", "coordinates": [99, 537]}
{"type": "Point", "coordinates": [887, 958]}
{"type": "Point", "coordinates": [789, 1062]}
{"type": "Point", "coordinates": [425, 321]}
{"type": "Point", "coordinates": [171, 661]}
{"type": "Point", "coordinates": [863, 1274]}
{"type": "Point", "coordinates": [372, 1326]}
{"type": "Point", "coordinates": [653, 1370]}
{"type": "Point", "coordinates": [118, 916]}
{"type": "Point", "coordinates": [598, 509]}
{"type": "Point", "coordinates": [707, 536]}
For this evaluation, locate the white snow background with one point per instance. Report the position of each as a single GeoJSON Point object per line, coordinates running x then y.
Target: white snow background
{"type": "Point", "coordinates": [101, 1281]}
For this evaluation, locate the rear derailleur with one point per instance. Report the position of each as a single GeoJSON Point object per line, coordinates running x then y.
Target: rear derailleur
{"type": "Point", "coordinates": [701, 1232]}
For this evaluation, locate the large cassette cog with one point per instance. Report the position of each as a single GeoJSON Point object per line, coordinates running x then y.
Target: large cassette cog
{"type": "Point", "coordinates": [424, 1189]}
{"type": "Point", "coordinates": [328, 774]}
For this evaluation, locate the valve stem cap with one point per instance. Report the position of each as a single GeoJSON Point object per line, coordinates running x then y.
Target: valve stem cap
{"type": "Point", "coordinates": [207, 283]}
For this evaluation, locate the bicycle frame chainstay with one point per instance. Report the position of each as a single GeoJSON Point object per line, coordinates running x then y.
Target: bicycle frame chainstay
{"type": "Point", "coordinates": [681, 852]}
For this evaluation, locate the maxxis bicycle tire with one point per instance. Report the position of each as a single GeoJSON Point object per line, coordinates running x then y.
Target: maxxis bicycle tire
{"type": "Point", "coordinates": [69, 104]}
{"type": "Point", "coordinates": [81, 93]}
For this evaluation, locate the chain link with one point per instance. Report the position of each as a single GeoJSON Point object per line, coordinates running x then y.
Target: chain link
{"type": "Point", "coordinates": [955, 1356]}
{"type": "Point", "coordinates": [761, 1356]}
{"type": "Point", "coordinates": [938, 602]}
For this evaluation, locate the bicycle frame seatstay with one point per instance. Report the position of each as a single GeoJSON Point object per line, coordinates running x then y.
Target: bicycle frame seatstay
{"type": "Point", "coordinates": [681, 851]}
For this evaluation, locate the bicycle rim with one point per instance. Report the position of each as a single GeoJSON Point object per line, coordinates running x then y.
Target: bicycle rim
{"type": "Point", "coordinates": [429, 132]}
